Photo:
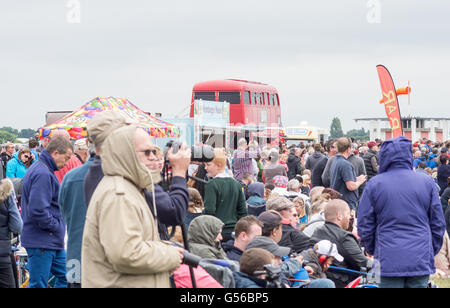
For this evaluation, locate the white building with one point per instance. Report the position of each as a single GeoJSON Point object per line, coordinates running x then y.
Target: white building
{"type": "Point", "coordinates": [414, 128]}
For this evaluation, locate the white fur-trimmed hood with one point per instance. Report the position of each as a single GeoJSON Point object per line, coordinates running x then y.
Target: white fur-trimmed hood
{"type": "Point", "coordinates": [6, 188]}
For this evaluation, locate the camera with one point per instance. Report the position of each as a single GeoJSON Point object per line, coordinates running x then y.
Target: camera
{"type": "Point", "coordinates": [273, 276]}
{"type": "Point", "coordinates": [199, 153]}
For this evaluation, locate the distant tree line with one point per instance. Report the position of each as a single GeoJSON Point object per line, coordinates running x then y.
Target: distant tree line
{"type": "Point", "coordinates": [357, 134]}
{"type": "Point", "coordinates": [11, 134]}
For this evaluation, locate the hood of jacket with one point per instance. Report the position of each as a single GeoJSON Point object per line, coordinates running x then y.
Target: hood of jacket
{"type": "Point", "coordinates": [6, 188]}
{"type": "Point", "coordinates": [119, 158]}
{"type": "Point", "coordinates": [256, 189]}
{"type": "Point", "coordinates": [204, 230]}
{"type": "Point", "coordinates": [395, 153]}
{"type": "Point", "coordinates": [317, 155]}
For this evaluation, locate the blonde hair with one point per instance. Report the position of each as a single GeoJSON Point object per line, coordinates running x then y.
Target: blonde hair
{"type": "Point", "coordinates": [301, 210]}
{"type": "Point", "coordinates": [220, 157]}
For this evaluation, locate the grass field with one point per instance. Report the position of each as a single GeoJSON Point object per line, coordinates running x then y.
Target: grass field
{"type": "Point", "coordinates": [442, 283]}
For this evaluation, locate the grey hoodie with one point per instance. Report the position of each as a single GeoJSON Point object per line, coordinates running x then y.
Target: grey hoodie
{"type": "Point", "coordinates": [313, 160]}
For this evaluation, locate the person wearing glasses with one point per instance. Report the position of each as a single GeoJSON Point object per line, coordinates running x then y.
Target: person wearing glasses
{"type": "Point", "coordinates": [291, 237]}
{"type": "Point", "coordinates": [121, 246]}
{"type": "Point", "coordinates": [17, 167]}
{"type": "Point", "coordinates": [72, 192]}
{"type": "Point", "coordinates": [171, 206]}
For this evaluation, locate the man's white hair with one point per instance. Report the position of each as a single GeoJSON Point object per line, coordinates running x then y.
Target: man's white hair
{"type": "Point", "coordinates": [242, 142]}
{"type": "Point", "coordinates": [293, 185]}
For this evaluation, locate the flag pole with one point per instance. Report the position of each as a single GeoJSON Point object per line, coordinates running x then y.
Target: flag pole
{"type": "Point", "coordinates": [409, 93]}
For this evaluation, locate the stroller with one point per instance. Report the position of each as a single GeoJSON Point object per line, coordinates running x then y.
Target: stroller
{"type": "Point", "coordinates": [367, 279]}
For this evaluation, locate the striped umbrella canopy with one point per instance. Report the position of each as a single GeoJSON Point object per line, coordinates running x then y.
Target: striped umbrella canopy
{"type": "Point", "coordinates": [75, 123]}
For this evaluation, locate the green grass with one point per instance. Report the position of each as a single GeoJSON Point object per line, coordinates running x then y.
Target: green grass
{"type": "Point", "coordinates": [442, 283]}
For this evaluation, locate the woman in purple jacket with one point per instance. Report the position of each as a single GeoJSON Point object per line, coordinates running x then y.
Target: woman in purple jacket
{"type": "Point", "coordinates": [400, 219]}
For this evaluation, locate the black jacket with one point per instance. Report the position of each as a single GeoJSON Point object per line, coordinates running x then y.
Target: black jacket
{"type": "Point", "coordinates": [5, 240]}
{"type": "Point", "coordinates": [294, 165]}
{"type": "Point", "coordinates": [201, 174]}
{"type": "Point", "coordinates": [4, 160]}
{"type": "Point", "coordinates": [368, 163]}
{"type": "Point", "coordinates": [9, 221]}
{"type": "Point", "coordinates": [295, 239]}
{"type": "Point", "coordinates": [233, 253]}
{"type": "Point", "coordinates": [348, 247]}
{"type": "Point", "coordinates": [316, 173]}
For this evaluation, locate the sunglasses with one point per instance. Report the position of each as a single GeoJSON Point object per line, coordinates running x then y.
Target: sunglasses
{"type": "Point", "coordinates": [150, 152]}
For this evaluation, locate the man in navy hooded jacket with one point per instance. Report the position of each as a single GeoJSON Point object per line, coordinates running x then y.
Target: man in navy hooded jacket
{"type": "Point", "coordinates": [400, 219]}
{"type": "Point", "coordinates": [43, 226]}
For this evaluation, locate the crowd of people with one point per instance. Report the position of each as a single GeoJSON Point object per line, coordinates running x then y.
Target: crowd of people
{"type": "Point", "coordinates": [106, 211]}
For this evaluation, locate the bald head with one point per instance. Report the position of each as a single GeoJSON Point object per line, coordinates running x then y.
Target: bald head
{"type": "Point", "coordinates": [61, 132]}
{"type": "Point", "coordinates": [337, 211]}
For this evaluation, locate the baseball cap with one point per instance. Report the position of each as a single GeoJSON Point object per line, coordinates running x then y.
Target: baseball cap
{"type": "Point", "coordinates": [104, 123]}
{"type": "Point", "coordinates": [269, 244]}
{"type": "Point", "coordinates": [325, 247]}
{"type": "Point", "coordinates": [371, 144]}
{"type": "Point", "coordinates": [270, 218]}
{"type": "Point", "coordinates": [444, 150]}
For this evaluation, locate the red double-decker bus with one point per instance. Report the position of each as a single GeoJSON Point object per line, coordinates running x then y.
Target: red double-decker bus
{"type": "Point", "coordinates": [253, 105]}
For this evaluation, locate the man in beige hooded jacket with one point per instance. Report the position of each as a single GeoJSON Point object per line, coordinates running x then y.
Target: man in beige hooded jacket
{"type": "Point", "coordinates": [121, 246]}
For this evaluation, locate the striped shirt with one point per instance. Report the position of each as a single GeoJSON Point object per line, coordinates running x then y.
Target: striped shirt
{"type": "Point", "coordinates": [242, 162]}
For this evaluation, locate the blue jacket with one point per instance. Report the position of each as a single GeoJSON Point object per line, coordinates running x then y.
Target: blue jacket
{"type": "Point", "coordinates": [15, 169]}
{"type": "Point", "coordinates": [43, 225]}
{"type": "Point", "coordinates": [400, 219]}
{"type": "Point", "coordinates": [92, 179]}
{"type": "Point", "coordinates": [432, 162]}
{"type": "Point", "coordinates": [73, 209]}
{"type": "Point", "coordinates": [248, 282]}
{"type": "Point", "coordinates": [233, 253]}
{"type": "Point", "coordinates": [419, 160]}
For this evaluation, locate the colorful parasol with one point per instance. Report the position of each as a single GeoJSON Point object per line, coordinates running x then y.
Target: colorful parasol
{"type": "Point", "coordinates": [76, 122]}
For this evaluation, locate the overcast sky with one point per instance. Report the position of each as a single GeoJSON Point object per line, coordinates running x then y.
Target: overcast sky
{"type": "Point", "coordinates": [320, 55]}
